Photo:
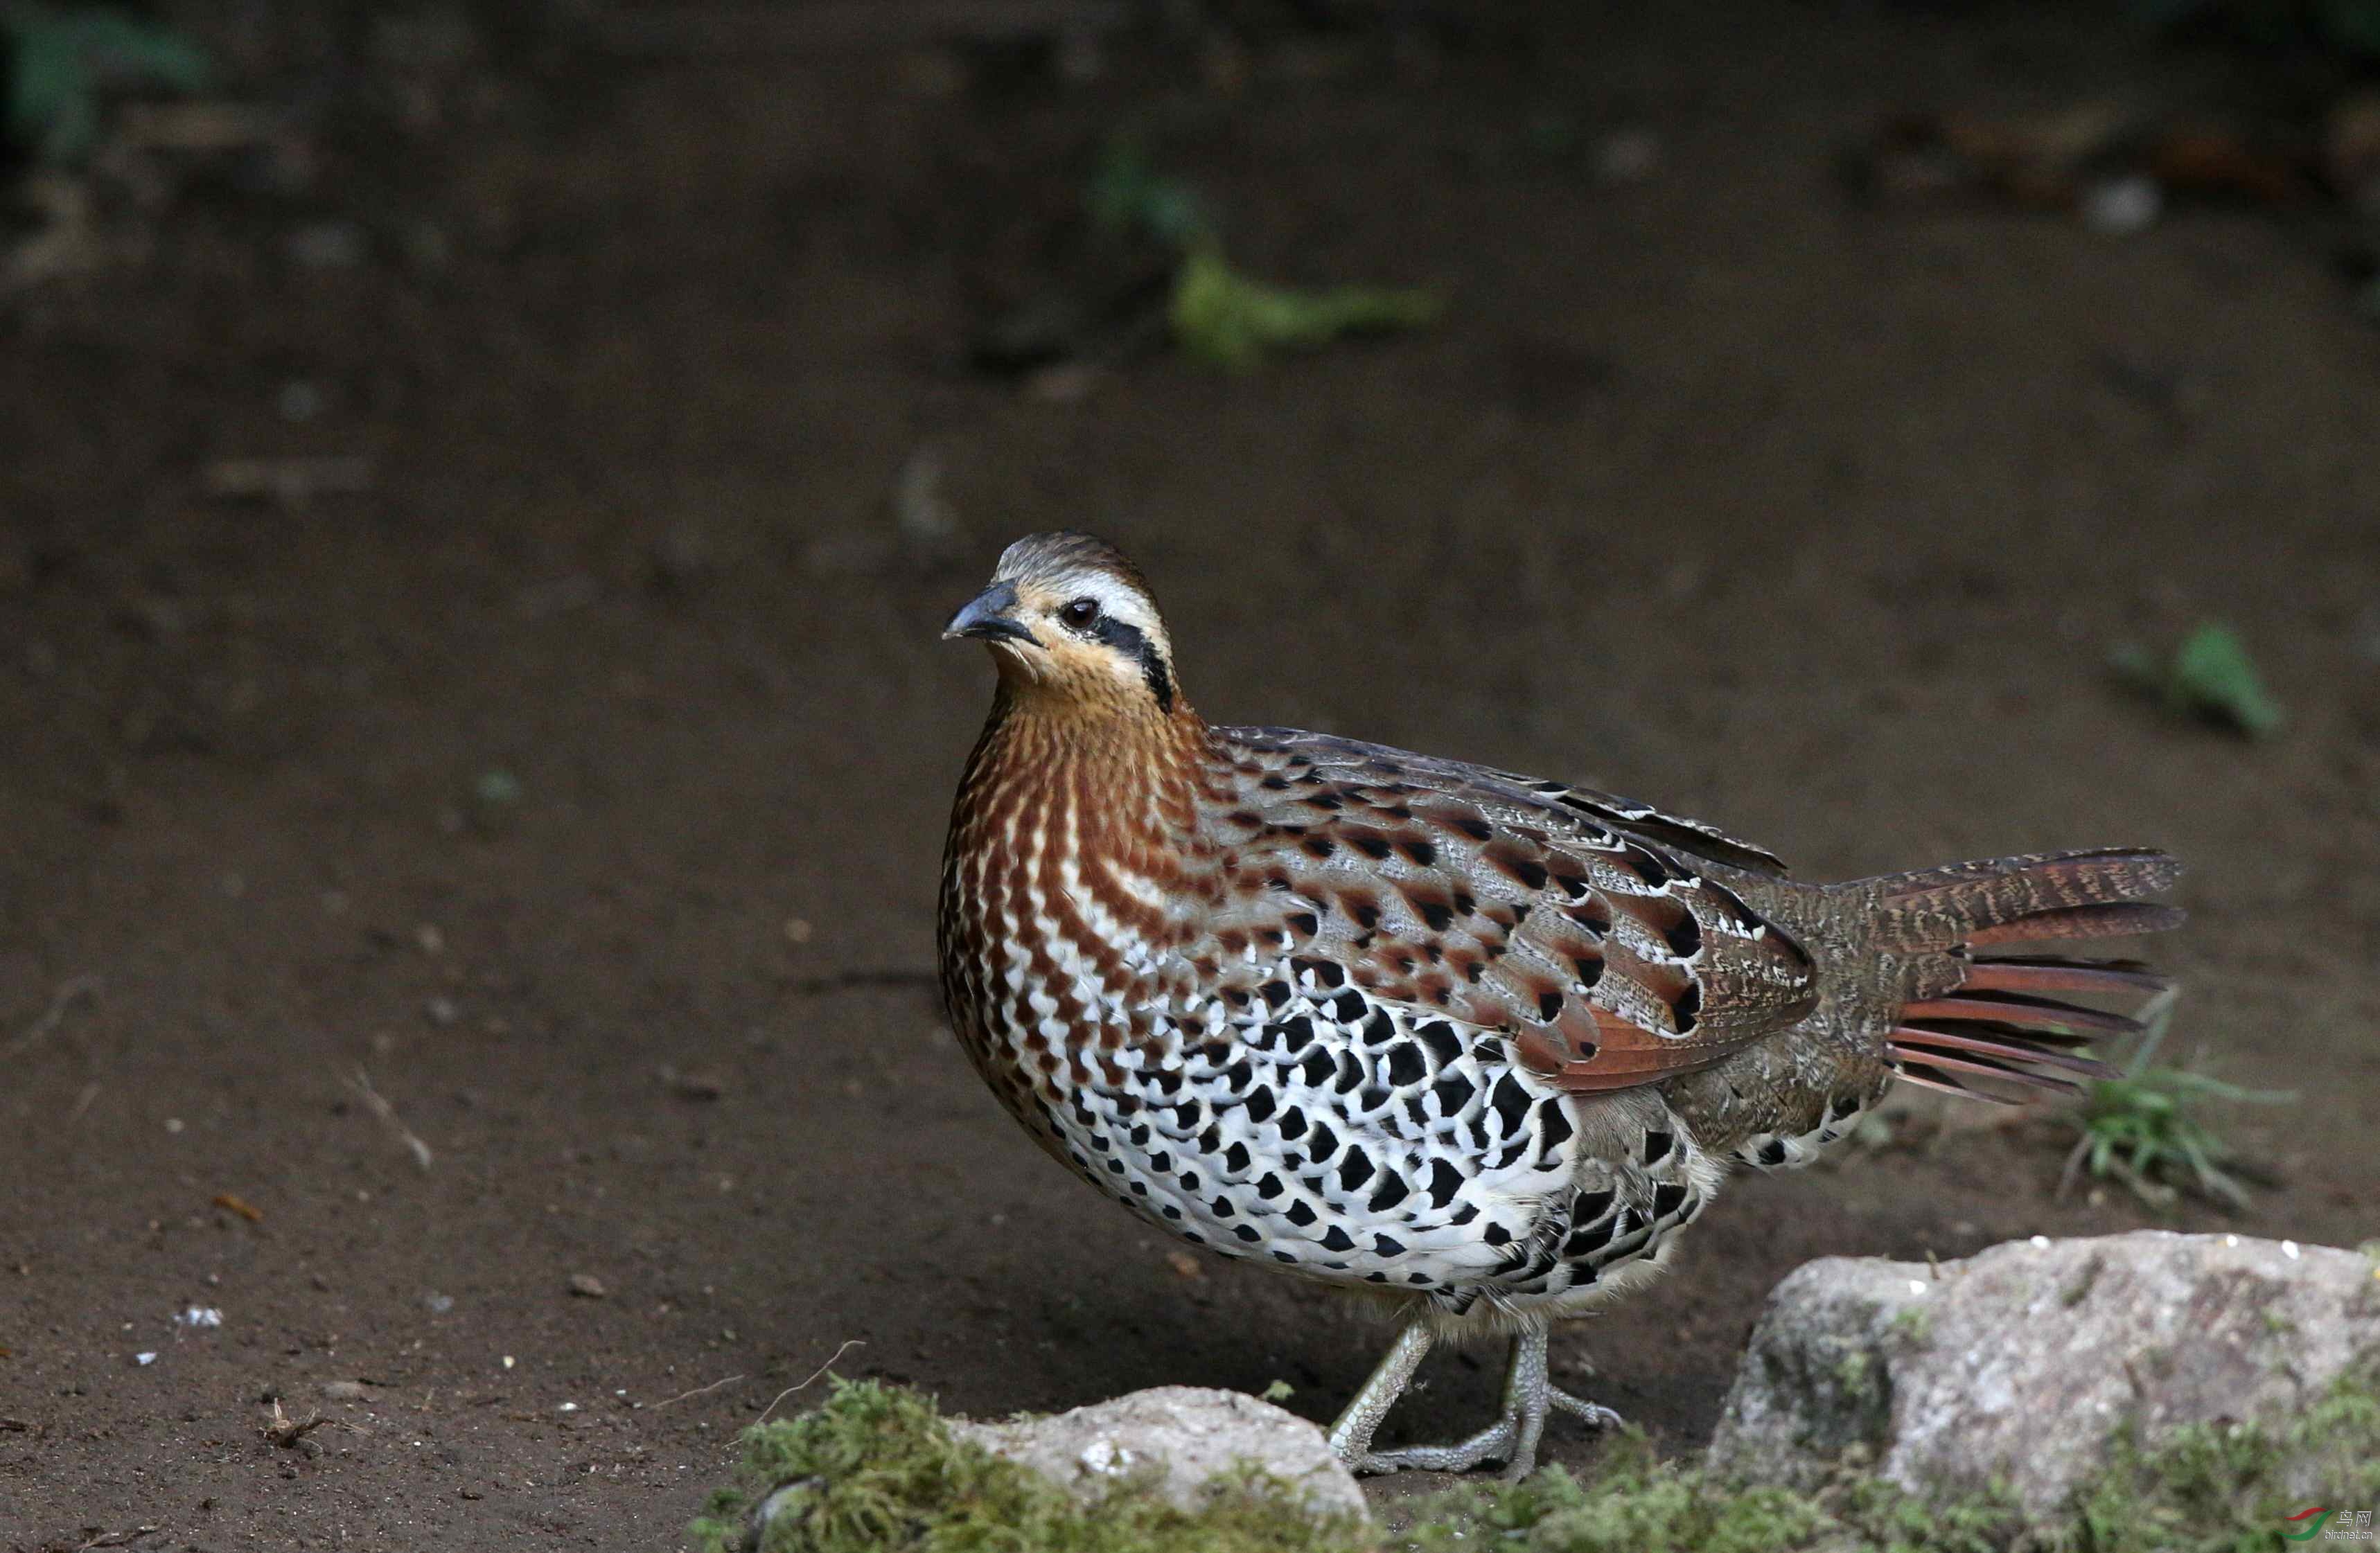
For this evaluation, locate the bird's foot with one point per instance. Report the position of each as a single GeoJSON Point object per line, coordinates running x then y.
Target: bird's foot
{"type": "Point", "coordinates": [1597, 1416]}
{"type": "Point", "coordinates": [1493, 1443]}
{"type": "Point", "coordinates": [1512, 1439]}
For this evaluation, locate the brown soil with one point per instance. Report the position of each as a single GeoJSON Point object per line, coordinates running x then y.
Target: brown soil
{"type": "Point", "coordinates": [1817, 522]}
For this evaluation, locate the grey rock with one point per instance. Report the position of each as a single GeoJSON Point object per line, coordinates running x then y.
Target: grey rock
{"type": "Point", "coordinates": [2022, 1362]}
{"type": "Point", "coordinates": [1192, 1434]}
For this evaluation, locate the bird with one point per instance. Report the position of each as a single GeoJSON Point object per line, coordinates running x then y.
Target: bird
{"type": "Point", "coordinates": [1475, 1045]}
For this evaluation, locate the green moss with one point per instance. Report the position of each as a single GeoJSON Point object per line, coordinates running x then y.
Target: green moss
{"type": "Point", "coordinates": [1639, 1505]}
{"type": "Point", "coordinates": [1913, 1321]}
{"type": "Point", "coordinates": [1635, 1505]}
{"type": "Point", "coordinates": [2205, 1488]}
{"type": "Point", "coordinates": [875, 1469]}
{"type": "Point", "coordinates": [2221, 1487]}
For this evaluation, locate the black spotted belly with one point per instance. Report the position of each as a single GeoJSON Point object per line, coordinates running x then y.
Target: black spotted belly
{"type": "Point", "coordinates": [1349, 1140]}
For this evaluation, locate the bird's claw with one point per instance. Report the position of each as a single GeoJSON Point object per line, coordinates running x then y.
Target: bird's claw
{"type": "Point", "coordinates": [1597, 1416]}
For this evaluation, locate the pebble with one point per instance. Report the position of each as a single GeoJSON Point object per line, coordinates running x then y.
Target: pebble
{"type": "Point", "coordinates": [587, 1286]}
{"type": "Point", "coordinates": [2123, 207]}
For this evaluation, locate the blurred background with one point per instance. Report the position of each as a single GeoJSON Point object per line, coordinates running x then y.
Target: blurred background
{"type": "Point", "coordinates": [482, 483]}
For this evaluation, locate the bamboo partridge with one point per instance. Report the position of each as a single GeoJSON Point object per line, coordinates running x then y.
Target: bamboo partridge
{"type": "Point", "coordinates": [1479, 1044]}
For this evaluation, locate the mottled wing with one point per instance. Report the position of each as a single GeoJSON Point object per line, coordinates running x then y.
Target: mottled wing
{"type": "Point", "coordinates": [1606, 957]}
{"type": "Point", "coordinates": [1692, 838]}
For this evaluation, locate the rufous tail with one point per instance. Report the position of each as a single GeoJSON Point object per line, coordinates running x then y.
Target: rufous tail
{"type": "Point", "coordinates": [2006, 1020]}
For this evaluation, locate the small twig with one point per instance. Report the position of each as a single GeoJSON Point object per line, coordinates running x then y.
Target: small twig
{"type": "Point", "coordinates": [83, 1103]}
{"type": "Point", "coordinates": [284, 1432]}
{"type": "Point", "coordinates": [848, 1344]}
{"type": "Point", "coordinates": [360, 1082]}
{"type": "Point", "coordinates": [2156, 1017]}
{"type": "Point", "coordinates": [118, 1539]}
{"type": "Point", "coordinates": [70, 993]}
{"type": "Point", "coordinates": [2073, 1170]}
{"type": "Point", "coordinates": [700, 1391]}
{"type": "Point", "coordinates": [14, 1426]}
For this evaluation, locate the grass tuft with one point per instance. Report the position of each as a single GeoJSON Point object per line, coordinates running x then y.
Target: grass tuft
{"type": "Point", "coordinates": [2144, 1127]}
{"type": "Point", "coordinates": [1219, 315]}
{"type": "Point", "coordinates": [1228, 320]}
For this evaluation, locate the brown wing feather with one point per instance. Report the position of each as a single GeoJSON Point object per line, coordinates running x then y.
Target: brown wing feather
{"type": "Point", "coordinates": [1609, 959]}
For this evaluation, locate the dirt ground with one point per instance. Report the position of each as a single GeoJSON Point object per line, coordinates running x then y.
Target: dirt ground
{"type": "Point", "coordinates": [582, 781]}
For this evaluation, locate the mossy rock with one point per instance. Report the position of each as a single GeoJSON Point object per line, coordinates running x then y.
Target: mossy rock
{"type": "Point", "coordinates": [877, 1468]}
{"type": "Point", "coordinates": [2024, 1366]}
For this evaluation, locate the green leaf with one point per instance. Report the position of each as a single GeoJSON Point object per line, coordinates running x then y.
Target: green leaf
{"type": "Point", "coordinates": [64, 58]}
{"type": "Point", "coordinates": [1227, 320]}
{"type": "Point", "coordinates": [2210, 675]}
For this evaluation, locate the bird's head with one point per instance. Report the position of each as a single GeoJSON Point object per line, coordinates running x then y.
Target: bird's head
{"type": "Point", "coordinates": [1067, 617]}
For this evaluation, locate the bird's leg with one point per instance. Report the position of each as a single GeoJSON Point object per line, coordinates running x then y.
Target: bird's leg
{"type": "Point", "coordinates": [1351, 1435]}
{"type": "Point", "coordinates": [1527, 1393]}
{"type": "Point", "coordinates": [1512, 1439]}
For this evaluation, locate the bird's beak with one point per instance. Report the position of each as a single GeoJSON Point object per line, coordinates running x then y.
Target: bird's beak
{"type": "Point", "coordinates": [990, 616]}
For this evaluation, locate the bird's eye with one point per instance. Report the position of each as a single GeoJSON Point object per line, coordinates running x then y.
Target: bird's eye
{"type": "Point", "coordinates": [1080, 614]}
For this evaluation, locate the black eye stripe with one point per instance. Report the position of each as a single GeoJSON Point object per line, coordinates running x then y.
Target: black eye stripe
{"type": "Point", "coordinates": [1128, 640]}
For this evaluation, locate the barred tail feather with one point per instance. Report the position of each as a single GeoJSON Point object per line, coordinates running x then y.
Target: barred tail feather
{"type": "Point", "coordinates": [2126, 920]}
{"type": "Point", "coordinates": [2004, 1021]}
{"type": "Point", "coordinates": [2061, 895]}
